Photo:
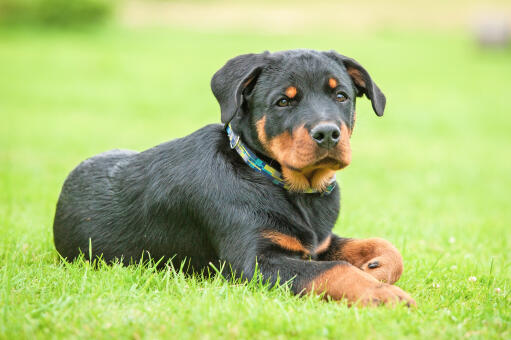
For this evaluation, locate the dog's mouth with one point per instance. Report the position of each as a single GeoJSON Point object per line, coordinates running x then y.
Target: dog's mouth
{"type": "Point", "coordinates": [318, 175]}
{"type": "Point", "coordinates": [315, 167]}
{"type": "Point", "coordinates": [327, 161]}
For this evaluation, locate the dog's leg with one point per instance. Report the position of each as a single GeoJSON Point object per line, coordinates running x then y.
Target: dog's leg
{"type": "Point", "coordinates": [284, 256]}
{"type": "Point", "coordinates": [375, 256]}
{"type": "Point", "coordinates": [335, 279]}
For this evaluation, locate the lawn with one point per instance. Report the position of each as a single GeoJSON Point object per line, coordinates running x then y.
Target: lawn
{"type": "Point", "coordinates": [433, 176]}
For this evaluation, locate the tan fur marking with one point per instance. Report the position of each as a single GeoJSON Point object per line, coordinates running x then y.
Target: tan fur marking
{"type": "Point", "coordinates": [248, 81]}
{"type": "Point", "coordinates": [348, 282]}
{"type": "Point", "coordinates": [321, 178]}
{"type": "Point", "coordinates": [261, 133]}
{"type": "Point", "coordinates": [332, 83]}
{"type": "Point", "coordinates": [362, 252]}
{"type": "Point", "coordinates": [343, 147]}
{"type": "Point", "coordinates": [304, 148]}
{"type": "Point", "coordinates": [299, 151]}
{"type": "Point", "coordinates": [281, 147]}
{"type": "Point", "coordinates": [323, 246]}
{"type": "Point", "coordinates": [342, 281]}
{"type": "Point", "coordinates": [285, 241]}
{"type": "Point", "coordinates": [353, 123]}
{"type": "Point", "coordinates": [291, 92]}
{"type": "Point", "coordinates": [357, 77]}
{"type": "Point", "coordinates": [296, 180]}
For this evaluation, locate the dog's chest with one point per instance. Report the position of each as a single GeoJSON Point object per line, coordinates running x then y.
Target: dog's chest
{"type": "Point", "coordinates": [312, 218]}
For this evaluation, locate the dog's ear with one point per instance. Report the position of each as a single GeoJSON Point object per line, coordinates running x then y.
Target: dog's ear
{"type": "Point", "coordinates": [362, 81]}
{"type": "Point", "coordinates": [229, 82]}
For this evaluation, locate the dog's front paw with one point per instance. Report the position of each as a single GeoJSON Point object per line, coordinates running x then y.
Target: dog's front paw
{"type": "Point", "coordinates": [347, 282]}
{"type": "Point", "coordinates": [375, 256]}
{"type": "Point", "coordinates": [384, 294]}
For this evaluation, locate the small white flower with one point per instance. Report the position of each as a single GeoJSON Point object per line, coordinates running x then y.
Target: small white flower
{"type": "Point", "coordinates": [452, 240]}
{"type": "Point", "coordinates": [436, 285]}
{"type": "Point", "coordinates": [472, 279]}
{"type": "Point", "coordinates": [497, 290]}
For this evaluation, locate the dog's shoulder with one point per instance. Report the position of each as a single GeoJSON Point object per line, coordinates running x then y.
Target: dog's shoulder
{"type": "Point", "coordinates": [192, 165]}
{"type": "Point", "coordinates": [199, 151]}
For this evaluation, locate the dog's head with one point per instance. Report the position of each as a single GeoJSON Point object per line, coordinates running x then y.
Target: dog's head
{"type": "Point", "coordinates": [296, 107]}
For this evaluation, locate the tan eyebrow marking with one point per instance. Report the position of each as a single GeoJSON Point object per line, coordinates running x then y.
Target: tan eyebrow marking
{"type": "Point", "coordinates": [291, 91]}
{"type": "Point", "coordinates": [332, 83]}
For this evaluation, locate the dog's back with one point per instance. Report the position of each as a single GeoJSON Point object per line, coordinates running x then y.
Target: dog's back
{"type": "Point", "coordinates": [89, 190]}
{"type": "Point", "coordinates": [121, 203]}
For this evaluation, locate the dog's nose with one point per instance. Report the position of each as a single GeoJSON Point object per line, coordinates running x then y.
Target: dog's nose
{"type": "Point", "coordinates": [326, 135]}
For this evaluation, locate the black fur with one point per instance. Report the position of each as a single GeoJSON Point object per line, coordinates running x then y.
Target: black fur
{"type": "Point", "coordinates": [194, 198]}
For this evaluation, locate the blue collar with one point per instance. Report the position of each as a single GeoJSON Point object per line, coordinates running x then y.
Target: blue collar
{"type": "Point", "coordinates": [262, 167]}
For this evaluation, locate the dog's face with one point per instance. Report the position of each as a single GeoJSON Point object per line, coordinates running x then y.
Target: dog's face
{"type": "Point", "coordinates": [296, 107]}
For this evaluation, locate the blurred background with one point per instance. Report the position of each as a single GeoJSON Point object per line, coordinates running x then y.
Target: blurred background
{"type": "Point", "coordinates": [78, 77]}
{"type": "Point", "coordinates": [433, 175]}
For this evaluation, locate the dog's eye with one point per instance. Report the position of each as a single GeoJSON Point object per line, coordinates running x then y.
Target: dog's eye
{"type": "Point", "coordinates": [341, 96]}
{"type": "Point", "coordinates": [283, 102]}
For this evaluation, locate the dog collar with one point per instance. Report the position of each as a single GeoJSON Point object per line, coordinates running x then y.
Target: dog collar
{"type": "Point", "coordinates": [262, 167]}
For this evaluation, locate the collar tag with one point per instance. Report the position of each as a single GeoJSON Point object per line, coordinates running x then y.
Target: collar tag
{"type": "Point", "coordinates": [234, 142]}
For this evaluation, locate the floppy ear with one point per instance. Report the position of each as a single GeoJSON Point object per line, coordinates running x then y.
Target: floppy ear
{"type": "Point", "coordinates": [362, 81]}
{"type": "Point", "coordinates": [229, 82]}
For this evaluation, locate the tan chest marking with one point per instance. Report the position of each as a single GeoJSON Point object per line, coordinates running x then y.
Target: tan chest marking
{"type": "Point", "coordinates": [293, 244]}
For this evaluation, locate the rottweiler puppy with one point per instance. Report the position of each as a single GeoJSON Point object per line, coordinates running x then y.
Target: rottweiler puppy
{"type": "Point", "coordinates": [258, 190]}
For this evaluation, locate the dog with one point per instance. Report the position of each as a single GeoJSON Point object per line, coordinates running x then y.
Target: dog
{"type": "Point", "coordinates": [257, 191]}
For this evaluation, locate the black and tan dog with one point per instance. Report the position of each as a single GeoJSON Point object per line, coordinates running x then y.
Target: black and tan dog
{"type": "Point", "coordinates": [259, 189]}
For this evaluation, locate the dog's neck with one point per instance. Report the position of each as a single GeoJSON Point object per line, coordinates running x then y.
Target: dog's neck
{"type": "Point", "coordinates": [263, 167]}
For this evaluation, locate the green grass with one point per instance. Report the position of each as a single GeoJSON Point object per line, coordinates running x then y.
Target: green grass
{"type": "Point", "coordinates": [432, 176]}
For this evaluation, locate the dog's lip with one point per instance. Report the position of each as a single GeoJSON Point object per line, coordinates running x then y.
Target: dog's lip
{"type": "Point", "coordinates": [326, 161]}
